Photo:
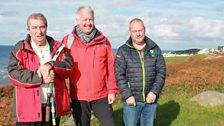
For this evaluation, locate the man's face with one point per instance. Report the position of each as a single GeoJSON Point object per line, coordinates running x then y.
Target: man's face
{"type": "Point", "coordinates": [85, 21]}
{"type": "Point", "coordinates": [38, 31]}
{"type": "Point", "coordinates": [137, 32]}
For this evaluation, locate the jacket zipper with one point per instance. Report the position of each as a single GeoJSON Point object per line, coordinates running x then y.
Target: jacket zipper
{"type": "Point", "coordinates": [143, 71]}
{"type": "Point", "coordinates": [129, 86]}
{"type": "Point", "coordinates": [143, 74]}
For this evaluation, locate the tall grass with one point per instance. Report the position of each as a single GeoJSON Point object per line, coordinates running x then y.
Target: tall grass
{"type": "Point", "coordinates": [196, 72]}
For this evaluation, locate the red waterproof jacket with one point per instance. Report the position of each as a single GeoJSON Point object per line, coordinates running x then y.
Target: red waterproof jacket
{"type": "Point", "coordinates": [93, 74]}
{"type": "Point", "coordinates": [22, 70]}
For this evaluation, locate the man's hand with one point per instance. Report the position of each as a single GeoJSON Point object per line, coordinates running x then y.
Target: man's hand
{"type": "Point", "coordinates": [111, 98]}
{"type": "Point", "coordinates": [151, 97]}
{"type": "Point", "coordinates": [50, 78]}
{"type": "Point", "coordinates": [131, 101]}
{"type": "Point", "coordinates": [44, 70]}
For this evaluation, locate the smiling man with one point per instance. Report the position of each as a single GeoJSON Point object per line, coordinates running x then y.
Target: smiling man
{"type": "Point", "coordinates": [31, 69]}
{"type": "Point", "coordinates": [93, 84]}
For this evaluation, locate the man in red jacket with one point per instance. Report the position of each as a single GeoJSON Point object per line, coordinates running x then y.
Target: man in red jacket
{"type": "Point", "coordinates": [92, 84]}
{"type": "Point", "coordinates": [31, 69]}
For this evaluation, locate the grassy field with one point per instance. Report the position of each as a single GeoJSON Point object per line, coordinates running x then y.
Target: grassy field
{"type": "Point", "coordinates": [184, 58]}
{"type": "Point", "coordinates": [174, 105]}
{"type": "Point", "coordinates": [176, 109]}
{"type": "Point", "coordinates": [186, 77]}
{"type": "Point", "coordinates": [176, 59]}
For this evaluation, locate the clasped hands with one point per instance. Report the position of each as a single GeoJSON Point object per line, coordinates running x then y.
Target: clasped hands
{"type": "Point", "coordinates": [151, 97]}
{"type": "Point", "coordinates": [45, 71]}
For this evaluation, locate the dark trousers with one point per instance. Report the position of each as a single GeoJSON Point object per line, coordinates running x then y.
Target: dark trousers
{"type": "Point", "coordinates": [43, 123]}
{"type": "Point", "coordinates": [100, 108]}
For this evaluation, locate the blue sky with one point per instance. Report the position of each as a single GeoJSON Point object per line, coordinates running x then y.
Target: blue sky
{"type": "Point", "coordinates": [172, 24]}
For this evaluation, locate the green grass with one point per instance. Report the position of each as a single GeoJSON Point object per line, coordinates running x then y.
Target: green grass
{"type": "Point", "coordinates": [182, 112]}
{"type": "Point", "coordinates": [176, 58]}
{"type": "Point", "coordinates": [183, 58]}
{"type": "Point", "coordinates": [176, 109]}
{"type": "Point", "coordinates": [63, 119]}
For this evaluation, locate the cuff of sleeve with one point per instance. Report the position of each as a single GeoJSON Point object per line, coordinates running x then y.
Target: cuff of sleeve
{"type": "Point", "coordinates": [127, 96]}
{"type": "Point", "coordinates": [50, 63]}
{"type": "Point", "coordinates": [113, 91]}
{"type": "Point", "coordinates": [156, 93]}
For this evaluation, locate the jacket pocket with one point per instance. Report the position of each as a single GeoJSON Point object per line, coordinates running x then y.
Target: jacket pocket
{"type": "Point", "coordinates": [28, 104]}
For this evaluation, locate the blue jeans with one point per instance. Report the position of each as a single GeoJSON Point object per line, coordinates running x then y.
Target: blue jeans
{"type": "Point", "coordinates": [143, 111]}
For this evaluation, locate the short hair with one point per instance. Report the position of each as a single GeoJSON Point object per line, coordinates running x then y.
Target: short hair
{"type": "Point", "coordinates": [86, 8]}
{"type": "Point", "coordinates": [136, 20]}
{"type": "Point", "coordinates": [36, 16]}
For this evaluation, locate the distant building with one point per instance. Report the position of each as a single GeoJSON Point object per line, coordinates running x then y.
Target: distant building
{"type": "Point", "coordinates": [171, 54]}
{"type": "Point", "coordinates": [203, 51]}
{"type": "Point", "coordinates": [190, 52]}
{"type": "Point", "coordinates": [211, 50]}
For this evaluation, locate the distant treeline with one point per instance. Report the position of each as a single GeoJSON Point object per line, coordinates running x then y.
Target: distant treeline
{"type": "Point", "coordinates": [188, 51]}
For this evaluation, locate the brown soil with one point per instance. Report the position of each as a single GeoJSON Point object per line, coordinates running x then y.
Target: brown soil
{"type": "Point", "coordinates": [6, 119]}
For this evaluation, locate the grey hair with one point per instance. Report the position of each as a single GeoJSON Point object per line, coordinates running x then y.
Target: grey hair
{"type": "Point", "coordinates": [134, 20]}
{"type": "Point", "coordinates": [36, 16]}
{"type": "Point", "coordinates": [86, 8]}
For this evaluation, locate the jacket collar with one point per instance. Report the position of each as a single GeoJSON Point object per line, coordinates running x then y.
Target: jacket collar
{"type": "Point", "coordinates": [99, 37]}
{"type": "Point", "coordinates": [50, 41]}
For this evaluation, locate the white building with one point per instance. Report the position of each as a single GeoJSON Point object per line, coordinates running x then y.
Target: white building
{"type": "Point", "coordinates": [205, 50]}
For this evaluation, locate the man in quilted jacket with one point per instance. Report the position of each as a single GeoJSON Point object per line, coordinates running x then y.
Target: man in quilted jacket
{"type": "Point", "coordinates": [140, 75]}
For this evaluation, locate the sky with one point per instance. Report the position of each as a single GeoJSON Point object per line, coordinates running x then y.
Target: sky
{"type": "Point", "coordinates": [172, 24]}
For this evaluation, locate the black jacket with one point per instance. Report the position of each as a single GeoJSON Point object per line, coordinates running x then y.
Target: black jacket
{"type": "Point", "coordinates": [136, 75]}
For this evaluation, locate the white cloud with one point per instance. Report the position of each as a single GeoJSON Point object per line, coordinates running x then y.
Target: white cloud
{"type": "Point", "coordinates": [171, 24]}
{"type": "Point", "coordinates": [164, 31]}
{"type": "Point", "coordinates": [202, 28]}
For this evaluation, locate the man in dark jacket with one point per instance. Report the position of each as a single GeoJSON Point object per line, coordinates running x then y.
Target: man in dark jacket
{"type": "Point", "coordinates": [140, 73]}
